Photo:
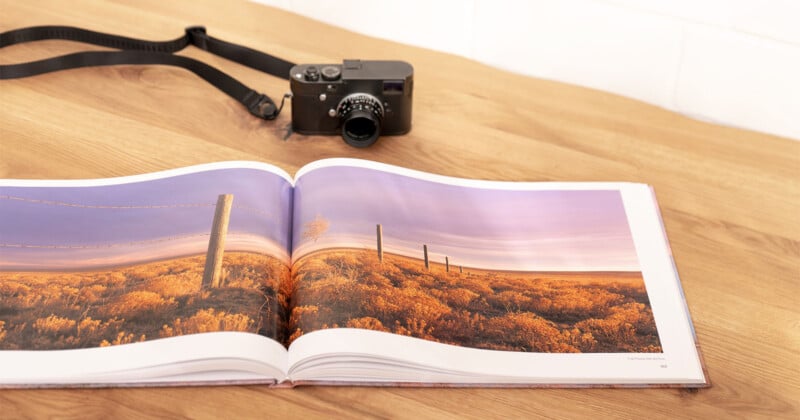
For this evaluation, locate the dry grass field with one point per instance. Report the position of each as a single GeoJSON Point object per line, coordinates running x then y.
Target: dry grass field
{"type": "Point", "coordinates": [514, 311]}
{"type": "Point", "coordinates": [65, 310]}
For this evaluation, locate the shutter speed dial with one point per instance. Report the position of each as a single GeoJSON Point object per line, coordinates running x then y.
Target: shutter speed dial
{"type": "Point", "coordinates": [360, 115]}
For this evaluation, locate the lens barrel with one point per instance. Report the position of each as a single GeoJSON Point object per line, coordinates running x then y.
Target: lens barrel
{"type": "Point", "coordinates": [360, 115]}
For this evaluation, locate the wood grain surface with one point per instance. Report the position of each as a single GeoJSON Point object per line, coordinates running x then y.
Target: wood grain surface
{"type": "Point", "coordinates": [730, 198]}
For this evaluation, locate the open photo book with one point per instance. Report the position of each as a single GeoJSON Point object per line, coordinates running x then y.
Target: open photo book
{"type": "Point", "coordinates": [350, 273]}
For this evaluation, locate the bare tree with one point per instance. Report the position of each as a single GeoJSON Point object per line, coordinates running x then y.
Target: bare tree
{"type": "Point", "coordinates": [315, 228]}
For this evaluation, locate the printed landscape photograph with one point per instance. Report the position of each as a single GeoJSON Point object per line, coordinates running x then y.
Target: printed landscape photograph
{"type": "Point", "coordinates": [94, 266]}
{"type": "Point", "coordinates": [526, 271]}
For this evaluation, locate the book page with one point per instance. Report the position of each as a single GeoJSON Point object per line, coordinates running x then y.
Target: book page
{"type": "Point", "coordinates": [211, 357]}
{"type": "Point", "coordinates": [518, 282]}
{"type": "Point", "coordinates": [143, 259]}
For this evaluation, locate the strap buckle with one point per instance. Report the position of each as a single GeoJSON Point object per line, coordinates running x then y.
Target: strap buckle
{"type": "Point", "coordinates": [261, 106]}
{"type": "Point", "coordinates": [197, 36]}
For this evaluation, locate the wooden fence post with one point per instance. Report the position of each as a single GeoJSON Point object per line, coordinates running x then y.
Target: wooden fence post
{"type": "Point", "coordinates": [216, 243]}
{"type": "Point", "coordinates": [380, 243]}
{"type": "Point", "coordinates": [460, 269]}
{"type": "Point", "coordinates": [447, 264]}
{"type": "Point", "coordinates": [425, 252]}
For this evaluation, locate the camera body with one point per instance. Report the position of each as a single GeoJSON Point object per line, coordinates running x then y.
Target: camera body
{"type": "Point", "coordinates": [360, 100]}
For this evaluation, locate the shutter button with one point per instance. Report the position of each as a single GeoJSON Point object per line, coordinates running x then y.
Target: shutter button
{"type": "Point", "coordinates": [312, 74]}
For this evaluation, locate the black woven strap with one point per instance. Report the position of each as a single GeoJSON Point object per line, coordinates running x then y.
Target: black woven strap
{"type": "Point", "coordinates": [136, 51]}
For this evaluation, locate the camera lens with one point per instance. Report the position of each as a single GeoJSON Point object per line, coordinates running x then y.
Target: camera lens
{"type": "Point", "coordinates": [360, 129]}
{"type": "Point", "coordinates": [361, 116]}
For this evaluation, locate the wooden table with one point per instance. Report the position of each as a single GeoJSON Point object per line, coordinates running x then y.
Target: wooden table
{"type": "Point", "coordinates": [730, 198]}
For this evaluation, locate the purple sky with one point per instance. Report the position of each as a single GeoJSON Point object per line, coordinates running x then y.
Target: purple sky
{"type": "Point", "coordinates": [482, 228]}
{"type": "Point", "coordinates": [259, 218]}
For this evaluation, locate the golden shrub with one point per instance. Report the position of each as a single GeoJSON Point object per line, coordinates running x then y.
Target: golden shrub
{"type": "Point", "coordinates": [510, 300]}
{"type": "Point", "coordinates": [373, 278]}
{"type": "Point", "coordinates": [53, 324]}
{"type": "Point", "coordinates": [122, 338]}
{"type": "Point", "coordinates": [91, 331]}
{"type": "Point", "coordinates": [528, 332]}
{"type": "Point", "coordinates": [173, 285]}
{"type": "Point", "coordinates": [138, 302]}
{"type": "Point", "coordinates": [366, 323]}
{"type": "Point", "coordinates": [608, 330]}
{"type": "Point", "coordinates": [14, 288]}
{"type": "Point", "coordinates": [304, 317]}
{"type": "Point", "coordinates": [415, 327]}
{"type": "Point", "coordinates": [460, 297]}
{"type": "Point", "coordinates": [88, 326]}
{"type": "Point", "coordinates": [476, 284]}
{"type": "Point", "coordinates": [91, 293]}
{"type": "Point", "coordinates": [207, 320]}
{"type": "Point", "coordinates": [295, 335]}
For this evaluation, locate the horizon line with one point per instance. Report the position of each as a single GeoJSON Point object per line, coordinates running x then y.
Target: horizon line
{"type": "Point", "coordinates": [421, 260]}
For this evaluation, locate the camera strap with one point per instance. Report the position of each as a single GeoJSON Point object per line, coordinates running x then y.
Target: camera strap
{"type": "Point", "coordinates": [139, 52]}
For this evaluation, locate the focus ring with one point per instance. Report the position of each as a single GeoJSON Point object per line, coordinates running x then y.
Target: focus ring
{"type": "Point", "coordinates": [360, 102]}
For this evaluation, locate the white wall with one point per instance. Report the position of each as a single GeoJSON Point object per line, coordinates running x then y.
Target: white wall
{"type": "Point", "coordinates": [734, 62]}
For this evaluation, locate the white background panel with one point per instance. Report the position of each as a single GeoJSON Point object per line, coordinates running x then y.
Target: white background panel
{"type": "Point", "coordinates": [734, 62]}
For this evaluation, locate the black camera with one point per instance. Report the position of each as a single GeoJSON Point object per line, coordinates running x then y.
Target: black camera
{"type": "Point", "coordinates": [359, 99]}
